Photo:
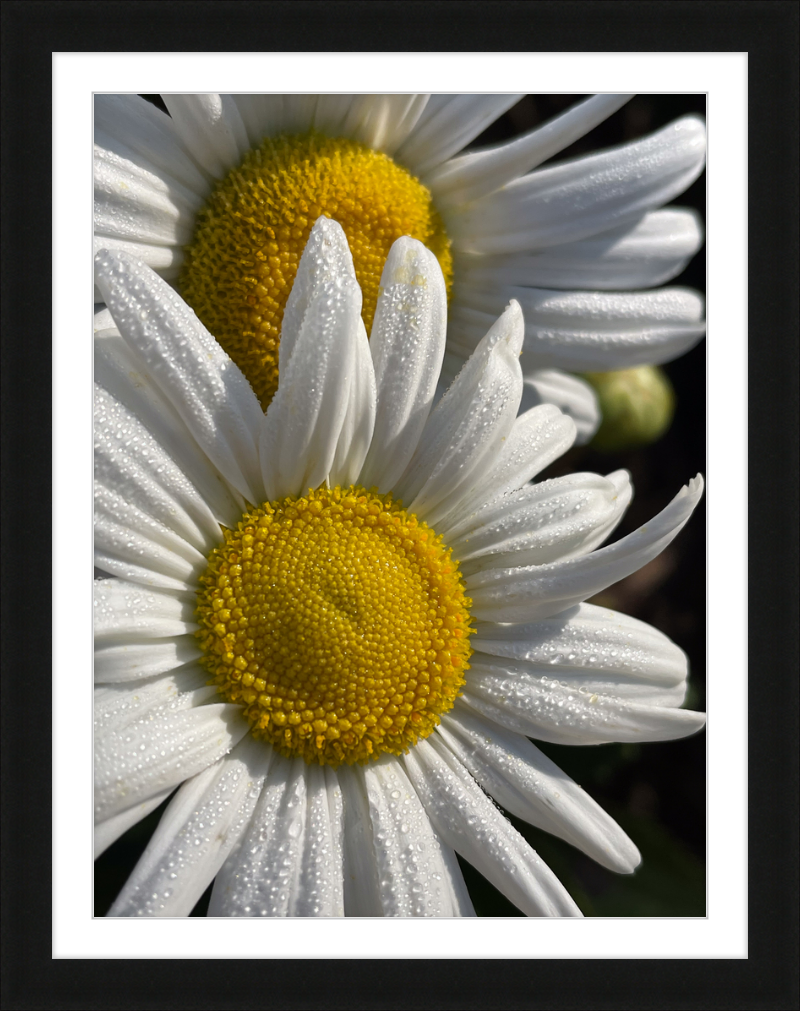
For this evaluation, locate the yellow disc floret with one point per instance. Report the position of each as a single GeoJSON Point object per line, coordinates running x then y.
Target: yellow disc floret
{"type": "Point", "coordinates": [338, 621]}
{"type": "Point", "coordinates": [243, 258]}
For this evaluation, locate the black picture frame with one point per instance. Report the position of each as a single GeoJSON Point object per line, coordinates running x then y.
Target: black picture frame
{"type": "Point", "coordinates": [768, 32]}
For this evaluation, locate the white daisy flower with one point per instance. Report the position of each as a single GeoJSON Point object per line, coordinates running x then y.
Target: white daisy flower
{"type": "Point", "coordinates": [219, 197]}
{"type": "Point", "coordinates": [334, 626]}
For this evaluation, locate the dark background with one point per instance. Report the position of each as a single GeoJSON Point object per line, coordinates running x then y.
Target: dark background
{"type": "Point", "coordinates": [655, 791]}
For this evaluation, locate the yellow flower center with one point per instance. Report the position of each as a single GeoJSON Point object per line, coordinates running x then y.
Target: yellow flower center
{"type": "Point", "coordinates": [249, 237]}
{"type": "Point", "coordinates": [338, 621]}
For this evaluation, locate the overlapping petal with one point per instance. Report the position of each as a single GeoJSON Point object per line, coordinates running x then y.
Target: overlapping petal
{"type": "Point", "coordinates": [531, 592]}
{"type": "Point", "coordinates": [209, 392]}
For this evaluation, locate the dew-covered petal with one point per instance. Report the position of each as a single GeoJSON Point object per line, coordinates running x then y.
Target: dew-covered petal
{"type": "Point", "coordinates": [531, 592]}
{"type": "Point", "coordinates": [107, 832]}
{"type": "Point", "coordinates": [583, 196]}
{"type": "Point", "coordinates": [362, 889]}
{"type": "Point", "coordinates": [129, 461]}
{"type": "Point", "coordinates": [289, 863]}
{"type": "Point", "coordinates": [585, 330]}
{"type": "Point", "coordinates": [467, 820]}
{"type": "Point", "coordinates": [159, 750]}
{"type": "Point", "coordinates": [118, 704]}
{"type": "Point", "coordinates": [527, 784]}
{"type": "Point", "coordinates": [118, 371]}
{"type": "Point", "coordinates": [128, 611]}
{"type": "Point", "coordinates": [209, 392]}
{"type": "Point", "coordinates": [197, 832]}
{"type": "Point", "coordinates": [211, 128]}
{"type": "Point", "coordinates": [414, 879]}
{"type": "Point", "coordinates": [132, 544]}
{"type": "Point", "coordinates": [471, 176]}
{"type": "Point", "coordinates": [537, 437]}
{"type": "Point", "coordinates": [152, 135]}
{"type": "Point", "coordinates": [146, 177]}
{"type": "Point", "coordinates": [447, 124]}
{"type": "Point", "coordinates": [589, 642]}
{"type": "Point", "coordinates": [469, 424]}
{"type": "Point", "coordinates": [565, 710]}
{"type": "Point", "coordinates": [133, 203]}
{"type": "Point", "coordinates": [320, 885]}
{"type": "Point", "coordinates": [545, 522]}
{"type": "Point", "coordinates": [359, 421]}
{"type": "Point", "coordinates": [571, 395]}
{"type": "Point", "coordinates": [645, 254]}
{"type": "Point", "coordinates": [130, 661]}
{"type": "Point", "coordinates": [319, 342]}
{"type": "Point", "coordinates": [383, 122]}
{"type": "Point", "coordinates": [164, 260]}
{"type": "Point", "coordinates": [407, 343]}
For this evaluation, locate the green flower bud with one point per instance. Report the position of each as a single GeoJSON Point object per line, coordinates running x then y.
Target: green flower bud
{"type": "Point", "coordinates": [636, 404]}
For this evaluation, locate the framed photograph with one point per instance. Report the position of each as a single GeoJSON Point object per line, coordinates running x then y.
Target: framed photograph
{"type": "Point", "coordinates": [489, 696]}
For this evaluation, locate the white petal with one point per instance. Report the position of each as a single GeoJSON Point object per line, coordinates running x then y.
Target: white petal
{"type": "Point", "coordinates": [359, 421]}
{"type": "Point", "coordinates": [131, 203]}
{"type": "Point", "coordinates": [383, 122]}
{"type": "Point", "coordinates": [320, 885]}
{"type": "Point", "coordinates": [160, 750]}
{"type": "Point", "coordinates": [288, 863]}
{"type": "Point", "coordinates": [331, 112]}
{"type": "Point", "coordinates": [361, 885]}
{"type": "Point", "coordinates": [298, 113]}
{"type": "Point", "coordinates": [407, 343]}
{"type": "Point", "coordinates": [563, 711]}
{"type": "Point", "coordinates": [537, 591]}
{"type": "Point", "coordinates": [202, 824]}
{"type": "Point", "coordinates": [643, 255]}
{"type": "Point", "coordinates": [107, 832]}
{"type": "Point", "coordinates": [211, 129]}
{"type": "Point", "coordinates": [131, 544]}
{"type": "Point", "coordinates": [117, 370]}
{"type": "Point", "coordinates": [305, 419]}
{"type": "Point", "coordinates": [130, 661]}
{"type": "Point", "coordinates": [588, 642]}
{"type": "Point", "coordinates": [117, 705]}
{"type": "Point", "coordinates": [414, 880]}
{"type": "Point", "coordinates": [127, 611]}
{"type": "Point", "coordinates": [545, 522]}
{"type": "Point", "coordinates": [166, 261]}
{"type": "Point", "coordinates": [467, 820]}
{"type": "Point", "coordinates": [152, 135]}
{"type": "Point", "coordinates": [473, 175]}
{"type": "Point", "coordinates": [262, 115]}
{"type": "Point", "coordinates": [152, 180]}
{"type": "Point", "coordinates": [585, 331]}
{"type": "Point", "coordinates": [447, 124]}
{"type": "Point", "coordinates": [326, 258]}
{"type": "Point", "coordinates": [469, 424]}
{"type": "Point", "coordinates": [210, 393]}
{"type": "Point", "coordinates": [569, 394]}
{"type": "Point", "coordinates": [583, 196]}
{"type": "Point", "coordinates": [537, 438]}
{"type": "Point", "coordinates": [527, 784]}
{"type": "Point", "coordinates": [130, 461]}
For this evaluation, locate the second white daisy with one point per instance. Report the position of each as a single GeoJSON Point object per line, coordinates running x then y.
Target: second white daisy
{"type": "Point", "coordinates": [221, 194]}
